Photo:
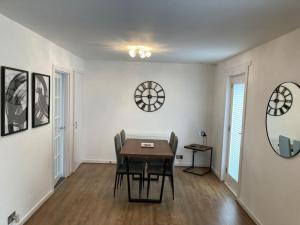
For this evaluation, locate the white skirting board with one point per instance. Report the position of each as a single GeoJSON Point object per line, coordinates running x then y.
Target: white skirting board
{"type": "Point", "coordinates": [106, 161]}
{"type": "Point", "coordinates": [36, 207]}
{"type": "Point", "coordinates": [114, 162]}
{"type": "Point", "coordinates": [216, 173]}
{"type": "Point", "coordinates": [249, 212]}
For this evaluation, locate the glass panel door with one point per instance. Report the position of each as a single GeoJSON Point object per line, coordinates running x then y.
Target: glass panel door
{"type": "Point", "coordinates": [236, 131]}
{"type": "Point", "coordinates": [59, 127]}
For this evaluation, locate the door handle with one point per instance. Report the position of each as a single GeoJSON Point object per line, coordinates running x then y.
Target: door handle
{"type": "Point", "coordinates": [62, 128]}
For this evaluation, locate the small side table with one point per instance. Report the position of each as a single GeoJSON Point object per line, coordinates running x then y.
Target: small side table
{"type": "Point", "coordinates": [198, 148]}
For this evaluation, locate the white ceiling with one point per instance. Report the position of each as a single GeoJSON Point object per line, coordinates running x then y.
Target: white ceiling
{"type": "Point", "coordinates": [179, 30]}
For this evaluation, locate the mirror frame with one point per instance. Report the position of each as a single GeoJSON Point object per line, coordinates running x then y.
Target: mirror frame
{"type": "Point", "coordinates": [266, 120]}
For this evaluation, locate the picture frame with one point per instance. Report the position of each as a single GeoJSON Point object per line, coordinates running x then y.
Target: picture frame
{"type": "Point", "coordinates": [14, 100]}
{"type": "Point", "coordinates": [40, 99]}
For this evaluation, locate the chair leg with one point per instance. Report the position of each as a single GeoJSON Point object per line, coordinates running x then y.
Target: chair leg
{"type": "Point", "coordinates": [118, 182]}
{"type": "Point", "coordinates": [172, 185]}
{"type": "Point", "coordinates": [140, 185]}
{"type": "Point", "coordinates": [143, 178]}
{"type": "Point", "coordinates": [116, 177]}
{"type": "Point", "coordinates": [148, 185]}
{"type": "Point", "coordinates": [121, 180]}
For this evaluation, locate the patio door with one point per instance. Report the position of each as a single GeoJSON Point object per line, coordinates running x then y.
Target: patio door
{"type": "Point", "coordinates": [235, 132]}
{"type": "Point", "coordinates": [59, 125]}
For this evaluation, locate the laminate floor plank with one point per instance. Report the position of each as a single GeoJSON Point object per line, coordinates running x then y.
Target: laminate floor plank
{"type": "Point", "coordinates": [86, 198]}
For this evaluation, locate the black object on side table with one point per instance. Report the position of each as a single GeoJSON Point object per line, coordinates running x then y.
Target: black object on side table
{"type": "Point", "coordinates": [198, 148]}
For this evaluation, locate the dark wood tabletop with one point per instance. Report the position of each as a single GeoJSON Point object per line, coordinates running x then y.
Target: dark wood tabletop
{"type": "Point", "coordinates": [197, 147]}
{"type": "Point", "coordinates": [132, 148]}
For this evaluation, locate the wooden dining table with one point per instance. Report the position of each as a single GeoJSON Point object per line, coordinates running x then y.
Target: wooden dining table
{"type": "Point", "coordinates": [133, 149]}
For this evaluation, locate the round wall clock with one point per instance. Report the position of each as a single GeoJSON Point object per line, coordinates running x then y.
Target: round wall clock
{"type": "Point", "coordinates": [149, 96]}
{"type": "Point", "coordinates": [280, 102]}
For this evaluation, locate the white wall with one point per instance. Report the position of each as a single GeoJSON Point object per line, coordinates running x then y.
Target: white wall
{"type": "Point", "coordinates": [109, 104]}
{"type": "Point", "coordinates": [26, 157]}
{"type": "Point", "coordinates": [270, 185]}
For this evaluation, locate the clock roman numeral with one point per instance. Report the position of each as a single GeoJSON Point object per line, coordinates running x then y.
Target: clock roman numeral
{"type": "Point", "coordinates": [159, 103]}
{"type": "Point", "coordinates": [160, 91]}
{"type": "Point", "coordinates": [143, 106]}
{"type": "Point", "coordinates": [269, 110]}
{"type": "Point", "coordinates": [281, 111]}
{"type": "Point", "coordinates": [283, 90]}
{"type": "Point", "coordinates": [144, 86]}
{"type": "Point", "coordinates": [139, 102]}
{"type": "Point", "coordinates": [286, 107]}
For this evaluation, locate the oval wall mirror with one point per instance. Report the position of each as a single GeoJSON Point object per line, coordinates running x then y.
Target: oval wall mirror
{"type": "Point", "coordinates": [283, 119]}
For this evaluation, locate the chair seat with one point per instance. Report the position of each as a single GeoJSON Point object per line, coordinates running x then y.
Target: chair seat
{"type": "Point", "coordinates": [137, 161]}
{"type": "Point", "coordinates": [134, 168]}
{"type": "Point", "coordinates": [155, 162]}
{"type": "Point", "coordinates": [158, 170]}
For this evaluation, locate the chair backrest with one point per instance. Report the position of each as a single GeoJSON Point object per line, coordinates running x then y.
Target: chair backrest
{"type": "Point", "coordinates": [284, 146]}
{"type": "Point", "coordinates": [296, 147]}
{"type": "Point", "coordinates": [171, 138]}
{"type": "Point", "coordinates": [118, 149]}
{"type": "Point", "coordinates": [174, 148]}
{"type": "Point", "coordinates": [123, 137]}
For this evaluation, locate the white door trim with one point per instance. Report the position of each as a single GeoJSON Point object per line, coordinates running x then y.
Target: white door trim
{"type": "Point", "coordinates": [234, 71]}
{"type": "Point", "coordinates": [229, 181]}
{"type": "Point", "coordinates": [76, 127]}
{"type": "Point", "coordinates": [69, 111]}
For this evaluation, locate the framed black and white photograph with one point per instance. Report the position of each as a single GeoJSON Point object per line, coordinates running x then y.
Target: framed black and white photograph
{"type": "Point", "coordinates": [40, 99]}
{"type": "Point", "coordinates": [14, 100]}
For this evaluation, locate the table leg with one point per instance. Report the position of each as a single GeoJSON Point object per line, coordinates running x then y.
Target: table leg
{"type": "Point", "coordinates": [130, 199]}
{"type": "Point", "coordinates": [188, 170]}
{"type": "Point", "coordinates": [193, 163]}
{"type": "Point", "coordinates": [163, 181]}
{"type": "Point", "coordinates": [210, 159]}
{"type": "Point", "coordinates": [128, 179]}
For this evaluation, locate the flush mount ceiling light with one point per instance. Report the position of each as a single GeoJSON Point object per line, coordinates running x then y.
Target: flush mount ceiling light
{"type": "Point", "coordinates": [141, 51]}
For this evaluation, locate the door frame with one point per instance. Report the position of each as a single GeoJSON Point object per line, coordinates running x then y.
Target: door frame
{"type": "Point", "coordinates": [69, 111]}
{"type": "Point", "coordinates": [242, 69]}
{"type": "Point", "coordinates": [75, 164]}
{"type": "Point", "coordinates": [234, 189]}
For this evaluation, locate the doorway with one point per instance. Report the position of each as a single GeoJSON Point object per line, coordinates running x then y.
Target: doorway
{"type": "Point", "coordinates": [235, 132]}
{"type": "Point", "coordinates": [59, 126]}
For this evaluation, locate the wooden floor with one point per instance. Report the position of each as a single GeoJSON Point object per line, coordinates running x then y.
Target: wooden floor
{"type": "Point", "coordinates": [86, 198]}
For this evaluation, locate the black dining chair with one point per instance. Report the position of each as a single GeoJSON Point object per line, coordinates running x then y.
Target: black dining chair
{"type": "Point", "coordinates": [121, 169]}
{"type": "Point", "coordinates": [123, 137]}
{"type": "Point", "coordinates": [172, 138]}
{"type": "Point", "coordinates": [157, 170]}
{"type": "Point", "coordinates": [135, 161]}
{"type": "Point", "coordinates": [160, 162]}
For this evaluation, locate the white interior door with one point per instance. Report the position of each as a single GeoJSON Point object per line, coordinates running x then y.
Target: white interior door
{"type": "Point", "coordinates": [235, 132]}
{"type": "Point", "coordinates": [59, 126]}
{"type": "Point", "coordinates": [77, 118]}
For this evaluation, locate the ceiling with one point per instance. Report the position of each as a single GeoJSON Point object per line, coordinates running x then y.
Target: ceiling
{"type": "Point", "coordinates": [188, 31]}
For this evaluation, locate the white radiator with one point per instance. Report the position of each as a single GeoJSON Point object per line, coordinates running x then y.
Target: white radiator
{"type": "Point", "coordinates": [156, 136]}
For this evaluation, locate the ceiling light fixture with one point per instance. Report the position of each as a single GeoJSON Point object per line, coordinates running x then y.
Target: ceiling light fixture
{"type": "Point", "coordinates": [142, 51]}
